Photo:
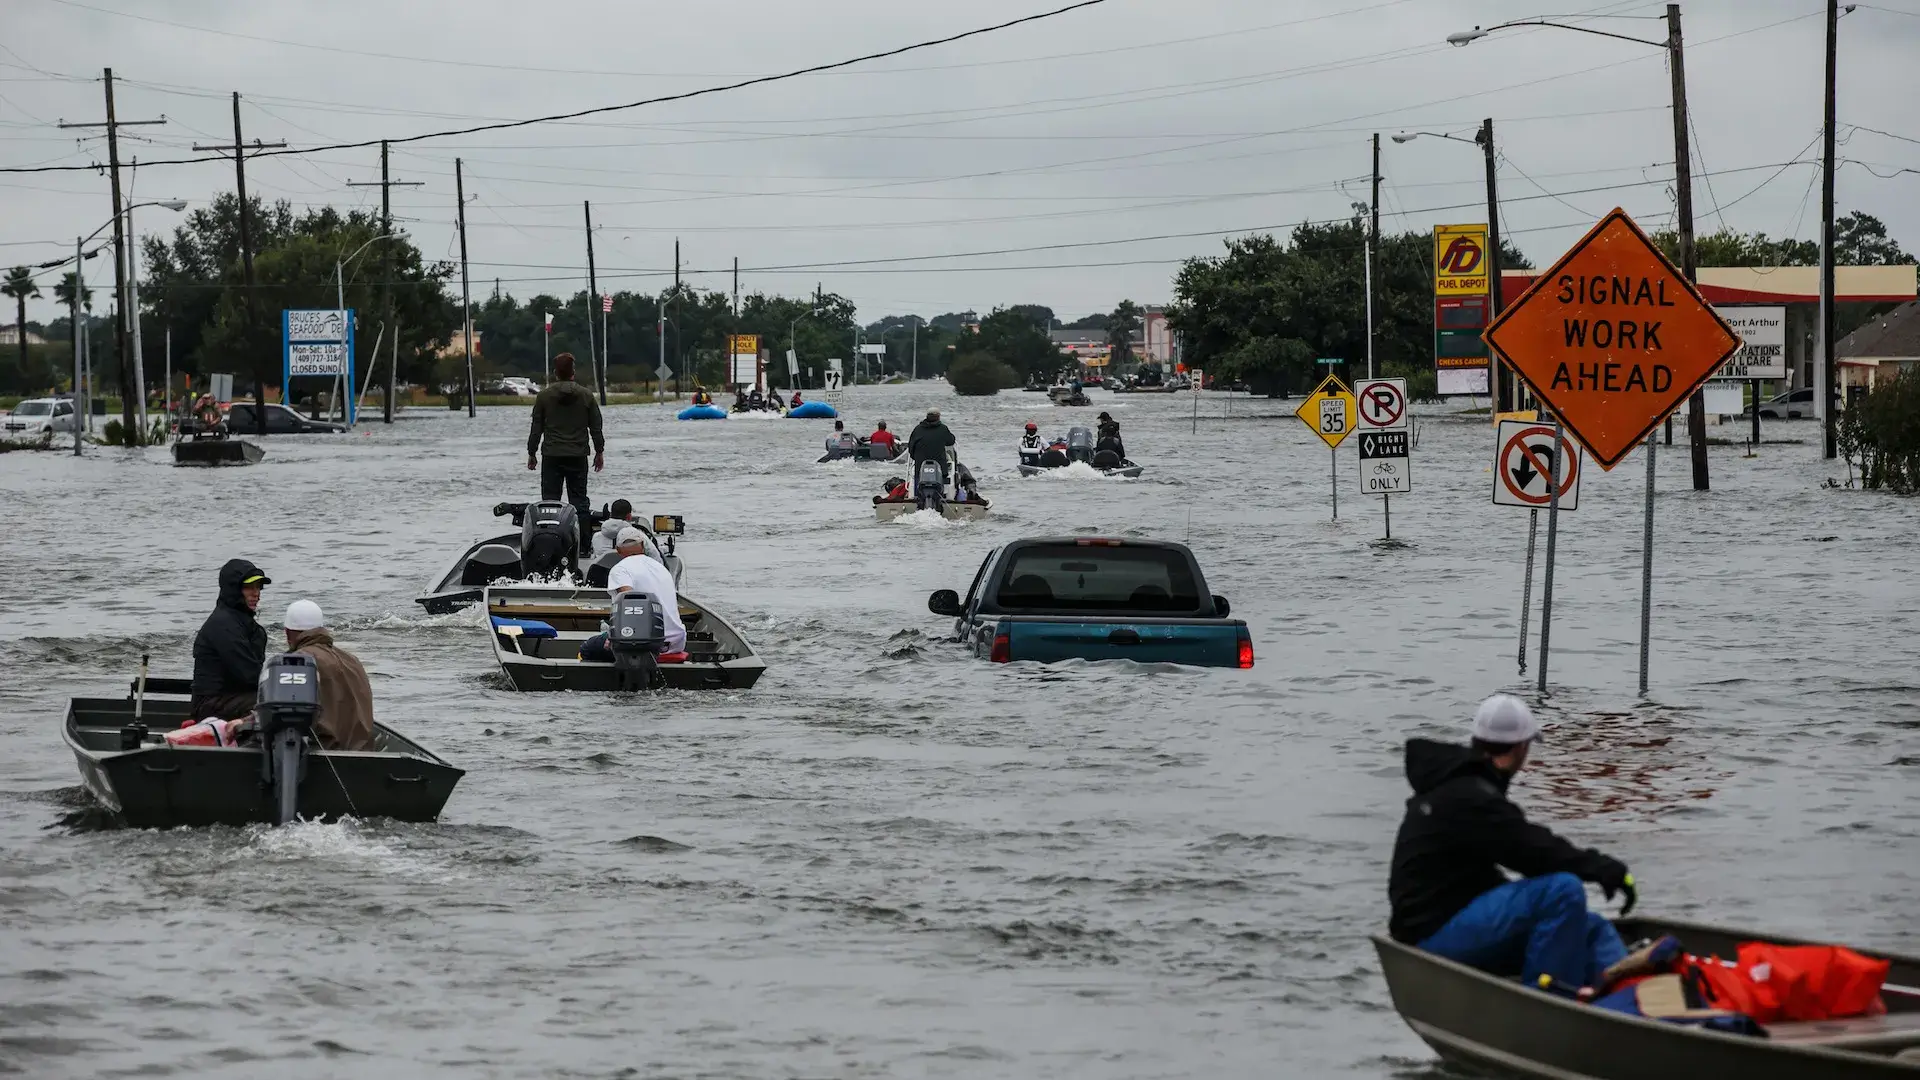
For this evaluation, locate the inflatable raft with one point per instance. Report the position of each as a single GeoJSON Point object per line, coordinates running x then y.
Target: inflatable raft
{"type": "Point", "coordinates": [702, 412]}
{"type": "Point", "coordinates": [812, 410]}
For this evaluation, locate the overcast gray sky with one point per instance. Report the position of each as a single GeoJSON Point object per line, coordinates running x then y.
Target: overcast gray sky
{"type": "Point", "coordinates": [1124, 120]}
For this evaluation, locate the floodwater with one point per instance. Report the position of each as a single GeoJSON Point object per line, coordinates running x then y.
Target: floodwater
{"type": "Point", "coordinates": [888, 859]}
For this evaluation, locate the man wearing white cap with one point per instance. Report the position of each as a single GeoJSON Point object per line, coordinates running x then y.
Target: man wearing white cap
{"type": "Point", "coordinates": [1449, 894]}
{"type": "Point", "coordinates": [638, 572]}
{"type": "Point", "coordinates": [346, 697]}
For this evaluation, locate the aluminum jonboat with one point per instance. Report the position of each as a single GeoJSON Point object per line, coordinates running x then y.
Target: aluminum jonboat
{"type": "Point", "coordinates": [546, 656]}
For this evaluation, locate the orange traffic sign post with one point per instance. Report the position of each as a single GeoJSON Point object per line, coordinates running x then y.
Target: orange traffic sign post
{"type": "Point", "coordinates": [1612, 338]}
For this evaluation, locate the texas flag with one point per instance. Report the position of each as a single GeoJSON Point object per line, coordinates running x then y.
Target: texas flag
{"type": "Point", "coordinates": [549, 322]}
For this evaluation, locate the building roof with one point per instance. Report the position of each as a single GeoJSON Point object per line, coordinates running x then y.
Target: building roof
{"type": "Point", "coordinates": [1078, 337]}
{"type": "Point", "coordinates": [1892, 336]}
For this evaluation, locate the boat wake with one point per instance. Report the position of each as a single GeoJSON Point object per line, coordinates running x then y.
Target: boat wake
{"type": "Point", "coordinates": [1079, 472]}
{"type": "Point", "coordinates": [466, 618]}
{"type": "Point", "coordinates": [927, 519]}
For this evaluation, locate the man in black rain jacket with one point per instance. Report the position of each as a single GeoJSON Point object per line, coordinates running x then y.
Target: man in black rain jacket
{"type": "Point", "coordinates": [1447, 890]}
{"type": "Point", "coordinates": [231, 647]}
{"type": "Point", "coordinates": [929, 441]}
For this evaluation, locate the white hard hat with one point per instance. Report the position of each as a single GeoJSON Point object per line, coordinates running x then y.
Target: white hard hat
{"type": "Point", "coordinates": [304, 615]}
{"type": "Point", "coordinates": [1505, 719]}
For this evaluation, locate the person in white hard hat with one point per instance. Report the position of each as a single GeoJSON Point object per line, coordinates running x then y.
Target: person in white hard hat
{"type": "Point", "coordinates": [346, 696]}
{"type": "Point", "coordinates": [1447, 887]}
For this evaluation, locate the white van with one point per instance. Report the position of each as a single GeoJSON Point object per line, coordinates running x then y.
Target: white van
{"type": "Point", "coordinates": [39, 416]}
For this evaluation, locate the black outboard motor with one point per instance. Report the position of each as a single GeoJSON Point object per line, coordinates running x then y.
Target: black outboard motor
{"type": "Point", "coordinates": [550, 539]}
{"type": "Point", "coordinates": [637, 634]}
{"type": "Point", "coordinates": [601, 569]}
{"type": "Point", "coordinates": [1080, 445]}
{"type": "Point", "coordinates": [930, 486]}
{"type": "Point", "coordinates": [1109, 453]}
{"type": "Point", "coordinates": [490, 563]}
{"type": "Point", "coordinates": [285, 709]}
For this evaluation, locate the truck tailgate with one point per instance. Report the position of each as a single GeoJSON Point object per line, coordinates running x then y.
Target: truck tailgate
{"type": "Point", "coordinates": [1199, 642]}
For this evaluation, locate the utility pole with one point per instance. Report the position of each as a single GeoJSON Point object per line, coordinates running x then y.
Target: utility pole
{"type": "Point", "coordinates": [679, 335]}
{"type": "Point", "coordinates": [239, 151]}
{"type": "Point", "coordinates": [121, 352]}
{"type": "Point", "coordinates": [1683, 185]}
{"type": "Point", "coordinates": [1373, 249]}
{"type": "Point", "coordinates": [593, 297]}
{"type": "Point", "coordinates": [386, 185]}
{"type": "Point", "coordinates": [1498, 387]}
{"type": "Point", "coordinates": [1828, 392]}
{"type": "Point", "coordinates": [466, 297]}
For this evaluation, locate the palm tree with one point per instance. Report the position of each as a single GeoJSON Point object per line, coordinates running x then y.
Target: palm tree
{"type": "Point", "coordinates": [1120, 329]}
{"type": "Point", "coordinates": [63, 292]}
{"type": "Point", "coordinates": [19, 285]}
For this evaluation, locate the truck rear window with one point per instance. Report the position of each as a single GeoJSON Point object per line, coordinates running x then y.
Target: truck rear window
{"type": "Point", "coordinates": [1064, 577]}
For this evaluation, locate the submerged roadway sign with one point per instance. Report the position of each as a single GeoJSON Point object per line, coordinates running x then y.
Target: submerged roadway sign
{"type": "Point", "coordinates": [1383, 403]}
{"type": "Point", "coordinates": [1612, 338]}
{"type": "Point", "coordinates": [1329, 411]}
{"type": "Point", "coordinates": [1523, 465]}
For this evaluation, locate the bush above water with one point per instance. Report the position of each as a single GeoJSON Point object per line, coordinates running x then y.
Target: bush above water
{"type": "Point", "coordinates": [979, 375]}
{"type": "Point", "coordinates": [1879, 434]}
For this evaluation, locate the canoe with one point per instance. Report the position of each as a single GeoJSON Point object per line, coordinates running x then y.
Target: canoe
{"type": "Point", "coordinates": [1481, 1021]}
{"type": "Point", "coordinates": [812, 410]}
{"type": "Point", "coordinates": [718, 656]}
{"type": "Point", "coordinates": [450, 590]}
{"type": "Point", "coordinates": [701, 412]}
{"type": "Point", "coordinates": [215, 452]}
{"type": "Point", "coordinates": [160, 787]}
{"type": "Point", "coordinates": [952, 511]}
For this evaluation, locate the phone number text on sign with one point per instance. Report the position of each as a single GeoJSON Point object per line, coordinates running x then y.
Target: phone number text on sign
{"type": "Point", "coordinates": [322, 359]}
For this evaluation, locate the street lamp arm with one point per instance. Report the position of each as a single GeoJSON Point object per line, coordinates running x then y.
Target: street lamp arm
{"type": "Point", "coordinates": [368, 244]}
{"type": "Point", "coordinates": [1409, 136]}
{"type": "Point", "coordinates": [1468, 37]}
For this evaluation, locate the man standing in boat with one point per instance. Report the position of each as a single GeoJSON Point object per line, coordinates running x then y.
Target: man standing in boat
{"type": "Point", "coordinates": [1448, 892]}
{"type": "Point", "coordinates": [930, 441]}
{"type": "Point", "coordinates": [565, 419]}
{"type": "Point", "coordinates": [346, 695]}
{"type": "Point", "coordinates": [230, 648]}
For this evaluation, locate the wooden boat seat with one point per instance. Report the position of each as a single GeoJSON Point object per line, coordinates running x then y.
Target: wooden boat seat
{"type": "Point", "coordinates": [1889, 1032]}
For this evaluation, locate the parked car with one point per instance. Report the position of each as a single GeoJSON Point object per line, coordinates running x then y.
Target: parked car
{"type": "Point", "coordinates": [40, 416]}
{"type": "Point", "coordinates": [281, 420]}
{"type": "Point", "coordinates": [1792, 405]}
{"type": "Point", "coordinates": [1093, 598]}
{"type": "Point", "coordinates": [519, 386]}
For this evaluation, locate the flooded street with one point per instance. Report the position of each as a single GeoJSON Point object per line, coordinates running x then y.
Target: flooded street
{"type": "Point", "coordinates": [889, 859]}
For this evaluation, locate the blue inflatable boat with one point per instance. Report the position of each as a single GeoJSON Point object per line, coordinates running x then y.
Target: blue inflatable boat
{"type": "Point", "coordinates": [703, 412]}
{"type": "Point", "coordinates": [813, 410]}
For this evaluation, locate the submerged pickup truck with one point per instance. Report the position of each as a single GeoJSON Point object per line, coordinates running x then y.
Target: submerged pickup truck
{"type": "Point", "coordinates": [1092, 598]}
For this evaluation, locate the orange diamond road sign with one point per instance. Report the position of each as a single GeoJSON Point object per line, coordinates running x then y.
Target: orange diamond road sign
{"type": "Point", "coordinates": [1612, 338]}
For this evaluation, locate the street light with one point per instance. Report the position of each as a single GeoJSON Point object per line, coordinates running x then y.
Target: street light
{"type": "Point", "coordinates": [1683, 181]}
{"type": "Point", "coordinates": [793, 328]}
{"type": "Point", "coordinates": [80, 407]}
{"type": "Point", "coordinates": [340, 303]}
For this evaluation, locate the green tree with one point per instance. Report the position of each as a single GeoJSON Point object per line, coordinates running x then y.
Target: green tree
{"type": "Point", "coordinates": [19, 284]}
{"type": "Point", "coordinates": [1122, 324]}
{"type": "Point", "coordinates": [63, 292]}
{"type": "Point", "coordinates": [980, 374]}
{"type": "Point", "coordinates": [1013, 338]}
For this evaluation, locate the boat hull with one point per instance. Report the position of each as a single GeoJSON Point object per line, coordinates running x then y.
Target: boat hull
{"type": "Point", "coordinates": [210, 453]}
{"type": "Point", "coordinates": [1489, 1023]}
{"type": "Point", "coordinates": [1129, 470]}
{"type": "Point", "coordinates": [163, 787]}
{"type": "Point", "coordinates": [719, 657]}
{"type": "Point", "coordinates": [447, 595]}
{"type": "Point", "coordinates": [952, 511]}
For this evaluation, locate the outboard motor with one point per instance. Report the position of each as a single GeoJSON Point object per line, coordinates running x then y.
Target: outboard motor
{"type": "Point", "coordinates": [550, 539]}
{"type": "Point", "coordinates": [490, 563]}
{"type": "Point", "coordinates": [286, 706]}
{"type": "Point", "coordinates": [1080, 445]}
{"type": "Point", "coordinates": [637, 634]}
{"type": "Point", "coordinates": [1108, 454]}
{"type": "Point", "coordinates": [930, 486]}
{"type": "Point", "coordinates": [601, 569]}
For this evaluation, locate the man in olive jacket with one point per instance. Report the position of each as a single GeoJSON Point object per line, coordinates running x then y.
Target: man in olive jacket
{"type": "Point", "coordinates": [566, 416]}
{"type": "Point", "coordinates": [346, 695]}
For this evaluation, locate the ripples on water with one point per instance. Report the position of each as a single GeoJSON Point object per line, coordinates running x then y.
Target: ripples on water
{"type": "Point", "coordinates": [888, 859]}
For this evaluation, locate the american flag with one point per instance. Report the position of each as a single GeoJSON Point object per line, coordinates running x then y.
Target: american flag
{"type": "Point", "coordinates": [606, 303]}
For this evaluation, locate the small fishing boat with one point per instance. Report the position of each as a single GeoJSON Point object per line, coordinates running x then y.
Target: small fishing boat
{"type": "Point", "coordinates": [930, 492]}
{"type": "Point", "coordinates": [499, 559]}
{"type": "Point", "coordinates": [862, 450]}
{"type": "Point", "coordinates": [1485, 1022]}
{"type": "Point", "coordinates": [537, 631]}
{"type": "Point", "coordinates": [128, 767]}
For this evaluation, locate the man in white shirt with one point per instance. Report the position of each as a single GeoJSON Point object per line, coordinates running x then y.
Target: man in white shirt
{"type": "Point", "coordinates": [639, 572]}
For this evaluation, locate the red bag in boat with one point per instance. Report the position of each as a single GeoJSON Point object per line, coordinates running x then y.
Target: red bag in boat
{"type": "Point", "coordinates": [1791, 982]}
{"type": "Point", "coordinates": [209, 732]}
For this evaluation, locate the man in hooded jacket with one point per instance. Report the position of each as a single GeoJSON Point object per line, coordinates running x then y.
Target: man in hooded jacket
{"type": "Point", "coordinates": [1448, 893]}
{"type": "Point", "coordinates": [930, 441]}
{"type": "Point", "coordinates": [565, 418]}
{"type": "Point", "coordinates": [346, 695]}
{"type": "Point", "coordinates": [230, 648]}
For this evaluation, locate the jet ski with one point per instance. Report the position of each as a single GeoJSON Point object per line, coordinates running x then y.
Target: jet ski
{"type": "Point", "coordinates": [545, 550]}
{"type": "Point", "coordinates": [1078, 446]}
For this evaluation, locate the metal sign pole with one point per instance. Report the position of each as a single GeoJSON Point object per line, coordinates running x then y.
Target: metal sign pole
{"type": "Point", "coordinates": [1333, 467]}
{"type": "Point", "coordinates": [1646, 569]}
{"type": "Point", "coordinates": [1526, 587]}
{"type": "Point", "coordinates": [1553, 532]}
{"type": "Point", "coordinates": [1386, 508]}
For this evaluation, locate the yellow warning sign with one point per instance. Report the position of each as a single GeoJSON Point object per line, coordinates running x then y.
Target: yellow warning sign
{"type": "Point", "coordinates": [1330, 411]}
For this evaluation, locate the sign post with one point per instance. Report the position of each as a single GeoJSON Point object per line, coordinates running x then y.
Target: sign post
{"type": "Point", "coordinates": [1763, 351]}
{"type": "Point", "coordinates": [1462, 285]}
{"type": "Point", "coordinates": [318, 343]}
{"type": "Point", "coordinates": [1197, 379]}
{"type": "Point", "coordinates": [743, 360]}
{"type": "Point", "coordinates": [1613, 339]}
{"type": "Point", "coordinates": [834, 393]}
{"type": "Point", "coordinates": [1330, 412]}
{"type": "Point", "coordinates": [1386, 465]}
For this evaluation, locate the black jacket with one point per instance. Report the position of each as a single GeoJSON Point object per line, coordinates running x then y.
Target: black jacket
{"type": "Point", "coordinates": [566, 416]}
{"type": "Point", "coordinates": [929, 442]}
{"type": "Point", "coordinates": [1459, 831]}
{"type": "Point", "coordinates": [231, 646]}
